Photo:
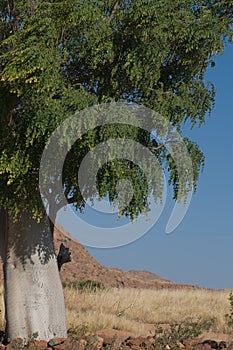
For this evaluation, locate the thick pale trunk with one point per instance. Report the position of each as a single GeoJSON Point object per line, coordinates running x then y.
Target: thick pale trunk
{"type": "Point", "coordinates": [34, 301]}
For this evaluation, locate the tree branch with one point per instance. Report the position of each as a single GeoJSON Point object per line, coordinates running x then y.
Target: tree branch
{"type": "Point", "coordinates": [113, 11]}
{"type": "Point", "coordinates": [160, 146]}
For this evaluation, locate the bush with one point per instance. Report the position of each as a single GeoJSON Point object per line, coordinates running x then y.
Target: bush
{"type": "Point", "coordinates": [84, 285]}
{"type": "Point", "coordinates": [176, 334]}
{"type": "Point", "coordinates": [229, 317]}
{"type": "Point", "coordinates": [78, 331]}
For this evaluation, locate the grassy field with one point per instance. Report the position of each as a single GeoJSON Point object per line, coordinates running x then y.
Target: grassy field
{"type": "Point", "coordinates": [137, 311]}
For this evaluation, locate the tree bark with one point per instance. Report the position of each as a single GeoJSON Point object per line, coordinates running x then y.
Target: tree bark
{"type": "Point", "coordinates": [34, 302]}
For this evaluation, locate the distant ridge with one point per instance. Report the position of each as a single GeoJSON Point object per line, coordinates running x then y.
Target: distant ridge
{"type": "Point", "coordinates": [84, 266]}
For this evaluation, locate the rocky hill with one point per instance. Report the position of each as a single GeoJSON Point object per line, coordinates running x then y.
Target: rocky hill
{"type": "Point", "coordinates": [84, 266]}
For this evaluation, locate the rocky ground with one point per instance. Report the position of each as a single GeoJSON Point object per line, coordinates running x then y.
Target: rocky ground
{"type": "Point", "coordinates": [119, 340]}
{"type": "Point", "coordinates": [110, 339]}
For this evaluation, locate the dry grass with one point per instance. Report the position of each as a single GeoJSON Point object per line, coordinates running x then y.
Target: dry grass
{"type": "Point", "coordinates": [135, 310]}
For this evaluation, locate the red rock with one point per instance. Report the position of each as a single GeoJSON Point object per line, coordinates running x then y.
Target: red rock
{"type": "Point", "coordinates": [150, 340]}
{"type": "Point", "coordinates": [201, 347]}
{"type": "Point", "coordinates": [39, 343]}
{"type": "Point", "coordinates": [94, 341]}
{"type": "Point", "coordinates": [181, 346]}
{"type": "Point", "coordinates": [16, 343]}
{"type": "Point", "coordinates": [71, 344]}
{"type": "Point", "coordinates": [98, 343]}
{"type": "Point", "coordinates": [135, 343]}
{"type": "Point", "coordinates": [192, 342]}
{"type": "Point", "coordinates": [9, 347]}
{"type": "Point", "coordinates": [222, 345]}
{"type": "Point", "coordinates": [56, 341]}
{"type": "Point", "coordinates": [197, 346]}
{"type": "Point", "coordinates": [114, 333]}
{"type": "Point", "coordinates": [82, 344]}
{"type": "Point", "coordinates": [115, 342]}
{"type": "Point", "coordinates": [212, 343]}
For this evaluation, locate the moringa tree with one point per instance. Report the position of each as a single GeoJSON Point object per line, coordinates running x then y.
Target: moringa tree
{"type": "Point", "coordinates": [58, 57]}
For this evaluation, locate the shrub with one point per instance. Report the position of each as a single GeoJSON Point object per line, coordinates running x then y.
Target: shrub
{"type": "Point", "coordinates": [78, 331]}
{"type": "Point", "coordinates": [84, 285]}
{"type": "Point", "coordinates": [176, 334]}
{"type": "Point", "coordinates": [229, 317]}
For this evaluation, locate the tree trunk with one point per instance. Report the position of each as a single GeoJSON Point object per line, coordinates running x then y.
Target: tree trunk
{"type": "Point", "coordinates": [34, 301]}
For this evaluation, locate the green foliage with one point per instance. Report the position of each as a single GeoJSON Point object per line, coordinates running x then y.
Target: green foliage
{"type": "Point", "coordinates": [58, 57]}
{"type": "Point", "coordinates": [83, 285]}
{"type": "Point", "coordinates": [229, 317]}
{"type": "Point", "coordinates": [176, 334]}
{"type": "Point", "coordinates": [79, 331]}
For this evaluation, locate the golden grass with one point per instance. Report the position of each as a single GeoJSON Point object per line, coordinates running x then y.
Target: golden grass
{"type": "Point", "coordinates": [138, 310]}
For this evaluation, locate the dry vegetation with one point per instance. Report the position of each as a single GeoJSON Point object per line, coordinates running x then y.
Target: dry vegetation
{"type": "Point", "coordinates": [137, 310]}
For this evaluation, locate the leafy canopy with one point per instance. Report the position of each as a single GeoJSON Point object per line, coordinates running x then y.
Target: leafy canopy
{"type": "Point", "coordinates": [58, 57]}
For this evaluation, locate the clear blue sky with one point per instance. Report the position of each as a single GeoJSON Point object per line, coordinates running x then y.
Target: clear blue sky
{"type": "Point", "coordinates": [200, 250]}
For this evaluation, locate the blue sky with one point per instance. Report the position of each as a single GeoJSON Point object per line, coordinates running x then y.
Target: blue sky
{"type": "Point", "coordinates": [200, 250]}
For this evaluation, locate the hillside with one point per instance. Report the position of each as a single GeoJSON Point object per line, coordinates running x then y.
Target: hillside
{"type": "Point", "coordinates": [84, 266]}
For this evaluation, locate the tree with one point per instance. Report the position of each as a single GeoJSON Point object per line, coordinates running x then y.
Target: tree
{"type": "Point", "coordinates": [58, 57]}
